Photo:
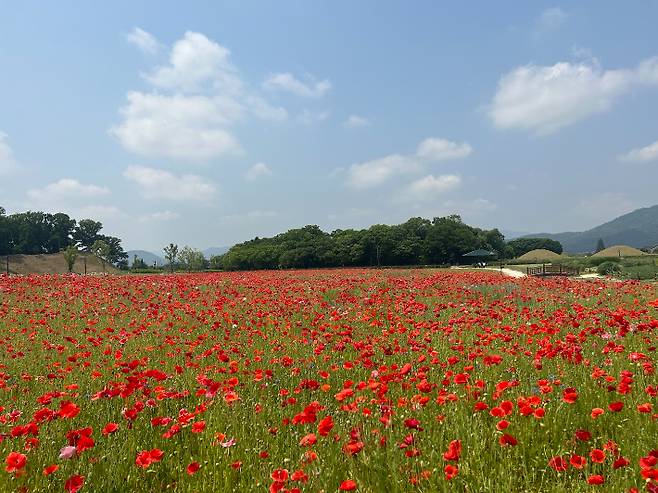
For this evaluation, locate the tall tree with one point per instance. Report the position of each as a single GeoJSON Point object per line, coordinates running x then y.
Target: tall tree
{"type": "Point", "coordinates": [102, 250]}
{"type": "Point", "coordinates": [61, 232]}
{"type": "Point", "coordinates": [86, 233]}
{"type": "Point", "coordinates": [171, 253]}
{"type": "Point", "coordinates": [600, 245]}
{"type": "Point", "coordinates": [70, 254]}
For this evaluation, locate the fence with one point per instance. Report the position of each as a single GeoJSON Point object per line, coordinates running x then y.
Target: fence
{"type": "Point", "coordinates": [552, 270]}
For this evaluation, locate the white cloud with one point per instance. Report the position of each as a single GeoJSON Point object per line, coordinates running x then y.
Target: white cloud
{"type": "Point", "coordinates": [433, 149]}
{"type": "Point", "coordinates": [159, 216]}
{"type": "Point", "coordinates": [551, 19]}
{"type": "Point", "coordinates": [188, 128]}
{"type": "Point", "coordinates": [288, 82]}
{"type": "Point", "coordinates": [430, 187]}
{"type": "Point", "coordinates": [196, 62]}
{"type": "Point", "coordinates": [258, 170]}
{"type": "Point", "coordinates": [66, 189]}
{"type": "Point", "coordinates": [356, 121]}
{"type": "Point", "coordinates": [97, 212]}
{"type": "Point", "coordinates": [145, 41]}
{"type": "Point", "coordinates": [641, 154]}
{"type": "Point", "coordinates": [546, 98]}
{"type": "Point", "coordinates": [160, 184]}
{"type": "Point", "coordinates": [7, 161]}
{"type": "Point", "coordinates": [195, 99]}
{"type": "Point", "coordinates": [376, 172]}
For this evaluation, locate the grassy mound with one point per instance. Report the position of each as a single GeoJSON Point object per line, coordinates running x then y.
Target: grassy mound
{"type": "Point", "coordinates": [539, 255]}
{"type": "Point", "coordinates": [53, 264]}
{"type": "Point", "coordinates": [620, 251]}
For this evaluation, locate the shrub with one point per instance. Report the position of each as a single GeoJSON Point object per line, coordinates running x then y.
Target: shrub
{"type": "Point", "coordinates": [609, 268]}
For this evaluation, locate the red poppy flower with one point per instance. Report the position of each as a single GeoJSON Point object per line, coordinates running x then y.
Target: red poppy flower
{"type": "Point", "coordinates": [454, 450]}
{"type": "Point", "coordinates": [193, 467]}
{"type": "Point", "coordinates": [308, 440]}
{"type": "Point", "coordinates": [348, 485]}
{"type": "Point", "coordinates": [325, 426]}
{"type": "Point", "coordinates": [595, 479]}
{"type": "Point", "coordinates": [507, 439]}
{"type": "Point", "coordinates": [110, 428]}
{"type": "Point", "coordinates": [596, 412]}
{"type": "Point", "coordinates": [597, 456]}
{"type": "Point", "coordinates": [147, 457]}
{"type": "Point", "coordinates": [50, 469]}
{"type": "Point", "coordinates": [68, 409]}
{"type": "Point", "coordinates": [620, 462]}
{"type": "Point", "coordinates": [558, 463]}
{"type": "Point", "coordinates": [198, 427]}
{"type": "Point", "coordinates": [450, 471]}
{"type": "Point", "coordinates": [570, 395]}
{"type": "Point", "coordinates": [74, 483]}
{"type": "Point", "coordinates": [280, 475]}
{"type": "Point", "coordinates": [15, 462]}
{"type": "Point", "coordinates": [578, 461]}
{"type": "Point", "coordinates": [615, 407]}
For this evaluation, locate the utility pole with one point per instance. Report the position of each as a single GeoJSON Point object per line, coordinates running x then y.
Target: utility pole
{"type": "Point", "coordinates": [7, 259]}
{"type": "Point", "coordinates": [85, 262]}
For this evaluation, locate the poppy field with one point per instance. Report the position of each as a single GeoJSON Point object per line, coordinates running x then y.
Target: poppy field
{"type": "Point", "coordinates": [327, 381]}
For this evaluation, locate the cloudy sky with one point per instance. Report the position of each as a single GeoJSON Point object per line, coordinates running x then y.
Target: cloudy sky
{"type": "Point", "coordinates": [209, 123]}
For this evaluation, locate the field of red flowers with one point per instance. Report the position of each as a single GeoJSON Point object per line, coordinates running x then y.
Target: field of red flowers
{"type": "Point", "coordinates": [327, 381]}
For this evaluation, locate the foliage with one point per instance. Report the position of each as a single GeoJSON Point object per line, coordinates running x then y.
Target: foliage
{"type": "Point", "coordinates": [609, 268]}
{"type": "Point", "coordinates": [171, 253]}
{"type": "Point", "coordinates": [416, 242]}
{"type": "Point", "coordinates": [599, 245]}
{"type": "Point", "coordinates": [335, 380]}
{"type": "Point", "coordinates": [70, 254]}
{"type": "Point", "coordinates": [216, 262]}
{"type": "Point", "coordinates": [101, 249]}
{"type": "Point", "coordinates": [192, 259]}
{"type": "Point", "coordinates": [39, 232]}
{"type": "Point", "coordinates": [138, 264]}
{"type": "Point", "coordinates": [519, 246]}
{"type": "Point", "coordinates": [86, 233]}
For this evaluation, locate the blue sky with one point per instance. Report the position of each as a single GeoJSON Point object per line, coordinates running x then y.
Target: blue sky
{"type": "Point", "coordinates": [209, 123]}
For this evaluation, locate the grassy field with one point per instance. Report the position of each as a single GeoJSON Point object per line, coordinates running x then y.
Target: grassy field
{"type": "Point", "coordinates": [334, 380]}
{"type": "Point", "coordinates": [54, 264]}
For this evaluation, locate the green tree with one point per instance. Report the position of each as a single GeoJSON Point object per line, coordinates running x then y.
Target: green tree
{"type": "Point", "coordinates": [116, 255]}
{"type": "Point", "coordinates": [138, 263]}
{"type": "Point", "coordinates": [519, 246]}
{"type": "Point", "coordinates": [70, 254]}
{"type": "Point", "coordinates": [86, 233]}
{"type": "Point", "coordinates": [600, 245]}
{"type": "Point", "coordinates": [216, 262]}
{"type": "Point", "coordinates": [192, 259]}
{"type": "Point", "coordinates": [171, 253]}
{"type": "Point", "coordinates": [5, 233]}
{"type": "Point", "coordinates": [102, 250]}
{"type": "Point", "coordinates": [61, 232]}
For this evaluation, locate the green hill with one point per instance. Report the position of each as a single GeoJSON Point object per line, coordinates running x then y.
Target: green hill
{"type": "Point", "coordinates": [638, 229]}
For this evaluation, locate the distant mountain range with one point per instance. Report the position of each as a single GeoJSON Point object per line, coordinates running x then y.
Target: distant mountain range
{"type": "Point", "coordinates": [638, 229]}
{"type": "Point", "coordinates": [209, 252]}
{"type": "Point", "coordinates": [150, 258]}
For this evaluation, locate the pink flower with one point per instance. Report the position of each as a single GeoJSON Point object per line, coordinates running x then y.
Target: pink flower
{"type": "Point", "coordinates": [67, 452]}
{"type": "Point", "coordinates": [229, 443]}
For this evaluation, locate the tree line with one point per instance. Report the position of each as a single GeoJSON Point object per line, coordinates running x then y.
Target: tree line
{"type": "Point", "coordinates": [34, 232]}
{"type": "Point", "coordinates": [418, 241]}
